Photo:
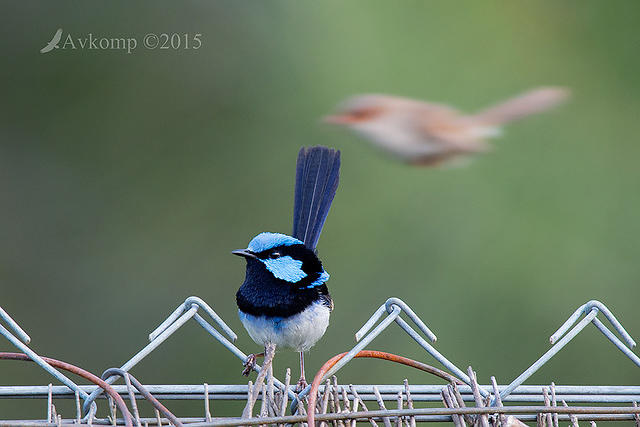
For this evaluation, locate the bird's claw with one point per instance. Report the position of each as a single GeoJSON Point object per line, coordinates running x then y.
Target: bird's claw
{"type": "Point", "coordinates": [249, 364]}
{"type": "Point", "coordinates": [302, 384]}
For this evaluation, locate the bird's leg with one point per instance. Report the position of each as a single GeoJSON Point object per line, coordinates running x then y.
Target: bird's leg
{"type": "Point", "coordinates": [250, 363]}
{"type": "Point", "coordinates": [266, 371]}
{"type": "Point", "coordinates": [302, 382]}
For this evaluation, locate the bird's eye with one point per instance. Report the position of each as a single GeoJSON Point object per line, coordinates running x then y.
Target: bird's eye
{"type": "Point", "coordinates": [275, 255]}
{"type": "Point", "coordinates": [364, 113]}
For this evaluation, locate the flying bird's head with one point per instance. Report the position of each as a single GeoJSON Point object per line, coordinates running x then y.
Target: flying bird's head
{"type": "Point", "coordinates": [283, 259]}
{"type": "Point", "coordinates": [379, 117]}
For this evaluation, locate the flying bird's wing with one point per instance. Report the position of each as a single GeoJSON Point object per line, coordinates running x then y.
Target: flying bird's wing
{"type": "Point", "coordinates": [317, 176]}
{"type": "Point", "coordinates": [440, 124]}
{"type": "Point", "coordinates": [56, 37]}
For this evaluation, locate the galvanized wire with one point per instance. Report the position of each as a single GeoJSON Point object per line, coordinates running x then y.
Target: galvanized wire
{"type": "Point", "coordinates": [471, 403]}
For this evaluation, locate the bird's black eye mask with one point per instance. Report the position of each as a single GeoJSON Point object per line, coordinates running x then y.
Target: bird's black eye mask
{"type": "Point", "coordinates": [310, 262]}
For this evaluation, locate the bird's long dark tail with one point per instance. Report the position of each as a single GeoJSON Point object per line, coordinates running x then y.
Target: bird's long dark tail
{"type": "Point", "coordinates": [317, 176]}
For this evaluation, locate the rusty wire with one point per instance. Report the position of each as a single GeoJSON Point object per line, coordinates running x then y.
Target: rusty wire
{"type": "Point", "coordinates": [145, 393]}
{"type": "Point", "coordinates": [313, 394]}
{"type": "Point", "coordinates": [128, 420]}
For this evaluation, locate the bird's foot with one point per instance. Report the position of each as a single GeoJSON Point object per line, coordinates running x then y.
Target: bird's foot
{"type": "Point", "coordinates": [250, 363]}
{"type": "Point", "coordinates": [302, 384]}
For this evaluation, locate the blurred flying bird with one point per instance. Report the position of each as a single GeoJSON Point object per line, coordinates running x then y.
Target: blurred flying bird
{"type": "Point", "coordinates": [53, 44]}
{"type": "Point", "coordinates": [284, 298]}
{"type": "Point", "coordinates": [428, 134]}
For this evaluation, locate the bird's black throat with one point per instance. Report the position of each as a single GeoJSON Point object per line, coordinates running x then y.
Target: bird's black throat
{"type": "Point", "coordinates": [262, 294]}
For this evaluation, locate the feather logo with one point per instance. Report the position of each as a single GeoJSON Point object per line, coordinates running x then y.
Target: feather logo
{"type": "Point", "coordinates": [53, 44]}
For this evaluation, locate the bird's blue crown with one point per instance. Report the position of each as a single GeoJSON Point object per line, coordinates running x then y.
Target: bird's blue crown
{"type": "Point", "coordinates": [265, 241]}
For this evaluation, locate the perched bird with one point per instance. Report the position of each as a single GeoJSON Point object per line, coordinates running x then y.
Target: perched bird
{"type": "Point", "coordinates": [284, 298]}
{"type": "Point", "coordinates": [428, 134]}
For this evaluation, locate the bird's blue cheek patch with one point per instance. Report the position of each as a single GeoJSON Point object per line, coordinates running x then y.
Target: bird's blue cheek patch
{"type": "Point", "coordinates": [324, 276]}
{"type": "Point", "coordinates": [285, 268]}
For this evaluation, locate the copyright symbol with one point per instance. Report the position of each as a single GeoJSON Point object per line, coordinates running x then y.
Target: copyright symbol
{"type": "Point", "coordinates": [150, 41]}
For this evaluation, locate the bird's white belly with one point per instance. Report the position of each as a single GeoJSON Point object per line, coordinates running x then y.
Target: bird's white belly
{"type": "Point", "coordinates": [300, 331]}
{"type": "Point", "coordinates": [408, 143]}
{"type": "Point", "coordinates": [401, 142]}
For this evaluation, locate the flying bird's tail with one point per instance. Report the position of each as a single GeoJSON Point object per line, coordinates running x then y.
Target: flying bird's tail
{"type": "Point", "coordinates": [531, 102]}
{"type": "Point", "coordinates": [317, 176]}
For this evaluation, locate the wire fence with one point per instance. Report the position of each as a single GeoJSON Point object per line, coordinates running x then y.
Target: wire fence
{"type": "Point", "coordinates": [273, 401]}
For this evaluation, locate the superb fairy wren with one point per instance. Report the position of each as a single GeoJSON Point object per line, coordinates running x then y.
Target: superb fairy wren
{"type": "Point", "coordinates": [284, 298]}
{"type": "Point", "coordinates": [427, 134]}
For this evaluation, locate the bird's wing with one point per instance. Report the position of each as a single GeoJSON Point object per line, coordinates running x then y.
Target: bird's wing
{"type": "Point", "coordinates": [56, 37]}
{"type": "Point", "coordinates": [440, 123]}
{"type": "Point", "coordinates": [317, 176]}
{"type": "Point", "coordinates": [445, 126]}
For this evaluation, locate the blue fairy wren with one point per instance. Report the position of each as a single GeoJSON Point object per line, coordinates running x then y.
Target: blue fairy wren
{"type": "Point", "coordinates": [284, 299]}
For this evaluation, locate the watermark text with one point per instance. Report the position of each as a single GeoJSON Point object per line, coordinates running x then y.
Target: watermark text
{"type": "Point", "coordinates": [127, 44]}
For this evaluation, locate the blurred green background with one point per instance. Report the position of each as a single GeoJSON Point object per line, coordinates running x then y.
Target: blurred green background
{"type": "Point", "coordinates": [127, 179]}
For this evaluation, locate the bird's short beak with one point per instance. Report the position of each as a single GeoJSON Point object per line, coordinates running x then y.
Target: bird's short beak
{"type": "Point", "coordinates": [337, 119]}
{"type": "Point", "coordinates": [244, 253]}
